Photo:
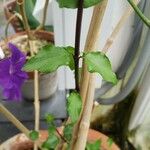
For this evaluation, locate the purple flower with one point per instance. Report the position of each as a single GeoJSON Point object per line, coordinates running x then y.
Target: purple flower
{"type": "Point", "coordinates": [11, 75]}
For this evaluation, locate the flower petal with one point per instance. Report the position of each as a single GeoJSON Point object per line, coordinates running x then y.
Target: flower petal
{"type": "Point", "coordinates": [22, 74]}
{"type": "Point", "coordinates": [4, 71]}
{"type": "Point", "coordinates": [12, 94]}
{"type": "Point", "coordinates": [17, 56]}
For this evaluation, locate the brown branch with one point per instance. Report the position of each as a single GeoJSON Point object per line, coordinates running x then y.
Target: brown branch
{"type": "Point", "coordinates": [20, 3]}
{"type": "Point", "coordinates": [14, 120]}
{"type": "Point", "coordinates": [36, 80]}
{"type": "Point", "coordinates": [92, 37]}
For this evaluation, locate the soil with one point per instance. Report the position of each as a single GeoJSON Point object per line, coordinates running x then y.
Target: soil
{"type": "Point", "coordinates": [24, 46]}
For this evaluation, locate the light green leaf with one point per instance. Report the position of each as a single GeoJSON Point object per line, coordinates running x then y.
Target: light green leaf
{"type": "Point", "coordinates": [71, 51]}
{"type": "Point", "coordinates": [98, 62]}
{"type": "Point", "coordinates": [51, 142]}
{"type": "Point", "coordinates": [49, 118]}
{"type": "Point", "coordinates": [94, 146]}
{"type": "Point", "coordinates": [74, 106]}
{"type": "Point", "coordinates": [68, 131]}
{"type": "Point", "coordinates": [49, 58]}
{"type": "Point", "coordinates": [74, 3]}
{"type": "Point", "coordinates": [34, 135]}
{"type": "Point", "coordinates": [110, 142]}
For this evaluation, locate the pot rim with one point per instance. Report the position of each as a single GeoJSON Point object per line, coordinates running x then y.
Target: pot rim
{"type": "Point", "coordinates": [93, 135]}
{"type": "Point", "coordinates": [49, 36]}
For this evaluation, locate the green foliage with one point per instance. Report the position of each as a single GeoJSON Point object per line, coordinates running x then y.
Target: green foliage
{"type": "Point", "coordinates": [34, 135]}
{"type": "Point", "coordinates": [110, 142]}
{"type": "Point", "coordinates": [98, 62]}
{"type": "Point", "coordinates": [94, 146]}
{"type": "Point", "coordinates": [51, 142]}
{"type": "Point", "coordinates": [49, 58]}
{"type": "Point", "coordinates": [68, 132]}
{"type": "Point", "coordinates": [49, 118]}
{"type": "Point", "coordinates": [70, 49]}
{"type": "Point", "coordinates": [74, 106]}
{"type": "Point", "coordinates": [74, 3]}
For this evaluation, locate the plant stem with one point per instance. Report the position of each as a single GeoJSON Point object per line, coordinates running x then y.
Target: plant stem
{"type": "Point", "coordinates": [36, 80]}
{"type": "Point", "coordinates": [117, 28]}
{"type": "Point", "coordinates": [91, 40]}
{"type": "Point", "coordinates": [44, 16]}
{"type": "Point", "coordinates": [25, 20]}
{"type": "Point", "coordinates": [36, 104]}
{"type": "Point", "coordinates": [61, 136]}
{"type": "Point", "coordinates": [14, 120]}
{"type": "Point", "coordinates": [77, 42]}
{"type": "Point", "coordinates": [139, 12]}
{"type": "Point", "coordinates": [86, 116]}
{"type": "Point", "coordinates": [9, 21]}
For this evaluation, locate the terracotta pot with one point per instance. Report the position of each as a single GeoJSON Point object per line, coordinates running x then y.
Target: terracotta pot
{"type": "Point", "coordinates": [47, 82]}
{"type": "Point", "coordinates": [21, 142]}
{"type": "Point", "coordinates": [15, 22]}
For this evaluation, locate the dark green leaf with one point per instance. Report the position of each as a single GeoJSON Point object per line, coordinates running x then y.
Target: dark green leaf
{"type": "Point", "coordinates": [34, 135]}
{"type": "Point", "coordinates": [68, 132]}
{"type": "Point", "coordinates": [49, 28]}
{"type": "Point", "coordinates": [51, 142]}
{"type": "Point", "coordinates": [74, 106]}
{"type": "Point", "coordinates": [110, 142]}
{"type": "Point", "coordinates": [74, 3]}
{"type": "Point", "coordinates": [98, 62]}
{"type": "Point", "coordinates": [49, 58]}
{"type": "Point", "coordinates": [94, 146]}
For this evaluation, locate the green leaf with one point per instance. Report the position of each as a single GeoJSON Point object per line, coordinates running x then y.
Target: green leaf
{"type": "Point", "coordinates": [74, 106]}
{"type": "Point", "coordinates": [49, 58]}
{"type": "Point", "coordinates": [68, 131]}
{"type": "Point", "coordinates": [49, 118]}
{"type": "Point", "coordinates": [74, 3]}
{"type": "Point", "coordinates": [98, 62]}
{"type": "Point", "coordinates": [51, 142]}
{"type": "Point", "coordinates": [51, 129]}
{"type": "Point", "coordinates": [71, 51]}
{"type": "Point", "coordinates": [110, 142]}
{"type": "Point", "coordinates": [94, 146]}
{"type": "Point", "coordinates": [34, 135]}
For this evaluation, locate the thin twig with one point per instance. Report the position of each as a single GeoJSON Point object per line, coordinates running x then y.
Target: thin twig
{"type": "Point", "coordinates": [36, 104]}
{"type": "Point", "coordinates": [61, 136]}
{"type": "Point", "coordinates": [139, 12]}
{"type": "Point", "coordinates": [41, 26]}
{"type": "Point", "coordinates": [36, 80]}
{"type": "Point", "coordinates": [77, 42]}
{"type": "Point", "coordinates": [14, 120]}
{"type": "Point", "coordinates": [9, 21]}
{"type": "Point", "coordinates": [25, 20]}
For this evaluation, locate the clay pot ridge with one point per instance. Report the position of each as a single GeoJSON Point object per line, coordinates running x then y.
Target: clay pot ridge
{"type": "Point", "coordinates": [21, 142]}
